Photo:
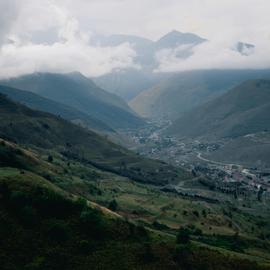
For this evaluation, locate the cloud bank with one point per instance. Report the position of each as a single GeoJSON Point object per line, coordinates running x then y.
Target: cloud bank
{"type": "Point", "coordinates": [214, 55]}
{"type": "Point", "coordinates": [55, 35]}
{"type": "Point", "coordinates": [70, 51]}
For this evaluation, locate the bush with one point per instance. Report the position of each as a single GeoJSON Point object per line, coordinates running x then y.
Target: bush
{"type": "Point", "coordinates": [58, 231]}
{"type": "Point", "coordinates": [86, 247]}
{"type": "Point", "coordinates": [113, 205]}
{"type": "Point", "coordinates": [92, 223]}
{"type": "Point", "coordinates": [183, 236]}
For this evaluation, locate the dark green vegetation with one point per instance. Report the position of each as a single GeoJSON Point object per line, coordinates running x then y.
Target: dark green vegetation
{"type": "Point", "coordinates": [241, 111]}
{"type": "Point", "coordinates": [79, 92]}
{"type": "Point", "coordinates": [25, 126]}
{"type": "Point", "coordinates": [184, 91]}
{"type": "Point", "coordinates": [58, 180]}
{"type": "Point", "coordinates": [43, 227]}
{"type": "Point", "coordinates": [40, 103]}
{"type": "Point", "coordinates": [48, 222]}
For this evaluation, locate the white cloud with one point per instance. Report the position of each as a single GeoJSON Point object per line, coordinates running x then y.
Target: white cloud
{"type": "Point", "coordinates": [8, 13]}
{"type": "Point", "coordinates": [64, 57]}
{"type": "Point", "coordinates": [72, 22]}
{"type": "Point", "coordinates": [211, 55]}
{"type": "Point", "coordinates": [70, 52]}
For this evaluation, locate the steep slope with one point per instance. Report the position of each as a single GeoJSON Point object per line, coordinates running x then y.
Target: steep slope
{"type": "Point", "coordinates": [37, 102]}
{"type": "Point", "coordinates": [184, 91]}
{"type": "Point", "coordinates": [251, 151]}
{"type": "Point", "coordinates": [241, 111]}
{"type": "Point", "coordinates": [49, 220]}
{"type": "Point", "coordinates": [25, 126]}
{"type": "Point", "coordinates": [79, 92]}
{"type": "Point", "coordinates": [46, 227]}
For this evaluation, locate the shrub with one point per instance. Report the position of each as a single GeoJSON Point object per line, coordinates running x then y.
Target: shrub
{"type": "Point", "coordinates": [113, 205]}
{"type": "Point", "coordinates": [183, 236]}
{"type": "Point", "coordinates": [92, 223]}
{"type": "Point", "coordinates": [58, 231]}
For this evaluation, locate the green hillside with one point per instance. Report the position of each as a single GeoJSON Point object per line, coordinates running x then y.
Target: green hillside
{"type": "Point", "coordinates": [40, 103]}
{"type": "Point", "coordinates": [57, 181]}
{"type": "Point", "coordinates": [184, 91]}
{"type": "Point", "coordinates": [25, 126]}
{"type": "Point", "coordinates": [243, 110]}
{"type": "Point", "coordinates": [44, 227]}
{"type": "Point", "coordinates": [79, 92]}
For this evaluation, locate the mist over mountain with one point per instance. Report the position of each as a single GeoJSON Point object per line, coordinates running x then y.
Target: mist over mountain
{"type": "Point", "coordinates": [154, 57]}
{"type": "Point", "coordinates": [128, 83]}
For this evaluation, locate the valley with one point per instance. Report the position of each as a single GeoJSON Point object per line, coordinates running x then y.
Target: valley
{"type": "Point", "coordinates": [244, 186]}
{"type": "Point", "coordinates": [134, 135]}
{"type": "Point", "coordinates": [177, 187]}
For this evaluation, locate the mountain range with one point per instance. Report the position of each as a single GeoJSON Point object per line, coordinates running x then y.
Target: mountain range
{"type": "Point", "coordinates": [128, 83]}
{"type": "Point", "coordinates": [76, 91]}
{"type": "Point", "coordinates": [70, 200]}
{"type": "Point", "coordinates": [184, 91]}
{"type": "Point", "coordinates": [23, 125]}
{"type": "Point", "coordinates": [243, 110]}
{"type": "Point", "coordinates": [40, 103]}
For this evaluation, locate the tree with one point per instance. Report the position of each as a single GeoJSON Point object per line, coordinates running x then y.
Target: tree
{"type": "Point", "coordinates": [183, 236]}
{"type": "Point", "coordinates": [50, 158]}
{"type": "Point", "coordinates": [113, 205]}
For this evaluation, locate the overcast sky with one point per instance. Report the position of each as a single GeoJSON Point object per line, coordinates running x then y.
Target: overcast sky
{"type": "Point", "coordinates": [53, 35]}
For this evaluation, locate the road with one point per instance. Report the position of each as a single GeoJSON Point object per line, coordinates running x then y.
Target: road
{"type": "Point", "coordinates": [199, 155]}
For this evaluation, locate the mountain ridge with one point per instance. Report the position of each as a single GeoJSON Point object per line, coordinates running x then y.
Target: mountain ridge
{"type": "Point", "coordinates": [184, 91]}
{"type": "Point", "coordinates": [243, 110]}
{"type": "Point", "coordinates": [79, 92]}
{"type": "Point", "coordinates": [37, 102]}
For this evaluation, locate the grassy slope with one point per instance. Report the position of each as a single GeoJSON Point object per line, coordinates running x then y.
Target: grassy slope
{"type": "Point", "coordinates": [79, 92]}
{"type": "Point", "coordinates": [25, 126]}
{"type": "Point", "coordinates": [37, 102]}
{"type": "Point", "coordinates": [243, 110]}
{"type": "Point", "coordinates": [184, 91]}
{"type": "Point", "coordinates": [45, 226]}
{"type": "Point", "coordinates": [76, 177]}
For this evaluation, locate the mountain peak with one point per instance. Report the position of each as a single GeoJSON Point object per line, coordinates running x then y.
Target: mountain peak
{"type": "Point", "coordinates": [176, 38]}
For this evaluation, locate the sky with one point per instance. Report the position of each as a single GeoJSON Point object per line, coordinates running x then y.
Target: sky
{"type": "Point", "coordinates": [55, 35]}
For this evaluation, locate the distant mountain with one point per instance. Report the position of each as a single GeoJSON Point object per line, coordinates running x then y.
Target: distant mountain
{"type": "Point", "coordinates": [129, 83]}
{"type": "Point", "coordinates": [245, 48]}
{"type": "Point", "coordinates": [40, 103]}
{"type": "Point", "coordinates": [243, 110]}
{"type": "Point", "coordinates": [79, 92]}
{"type": "Point", "coordinates": [184, 91]}
{"type": "Point", "coordinates": [175, 39]}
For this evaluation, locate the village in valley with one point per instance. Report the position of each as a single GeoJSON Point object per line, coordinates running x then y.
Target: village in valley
{"type": "Point", "coordinates": [241, 182]}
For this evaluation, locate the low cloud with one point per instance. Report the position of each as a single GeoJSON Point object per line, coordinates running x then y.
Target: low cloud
{"type": "Point", "coordinates": [9, 13]}
{"type": "Point", "coordinates": [214, 55]}
{"type": "Point", "coordinates": [64, 57]}
{"type": "Point", "coordinates": [70, 51]}
{"type": "Point", "coordinates": [54, 35]}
